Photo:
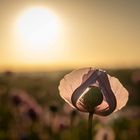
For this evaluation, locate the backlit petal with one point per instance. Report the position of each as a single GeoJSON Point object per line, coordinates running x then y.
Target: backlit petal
{"type": "Point", "coordinates": [120, 92]}
{"type": "Point", "coordinates": [72, 81]}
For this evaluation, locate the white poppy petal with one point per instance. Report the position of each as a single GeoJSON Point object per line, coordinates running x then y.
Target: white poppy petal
{"type": "Point", "coordinates": [72, 81]}
{"type": "Point", "coordinates": [120, 92]}
{"type": "Point", "coordinates": [109, 96]}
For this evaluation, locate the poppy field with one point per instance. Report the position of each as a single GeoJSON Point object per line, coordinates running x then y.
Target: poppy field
{"type": "Point", "coordinates": [31, 108]}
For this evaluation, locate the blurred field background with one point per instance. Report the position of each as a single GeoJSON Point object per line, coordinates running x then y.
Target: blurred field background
{"type": "Point", "coordinates": [40, 113]}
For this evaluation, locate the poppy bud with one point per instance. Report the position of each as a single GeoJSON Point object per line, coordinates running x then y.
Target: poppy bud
{"type": "Point", "coordinates": [92, 98]}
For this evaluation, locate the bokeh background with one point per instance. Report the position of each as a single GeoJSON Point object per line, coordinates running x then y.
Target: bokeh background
{"type": "Point", "coordinates": [41, 41]}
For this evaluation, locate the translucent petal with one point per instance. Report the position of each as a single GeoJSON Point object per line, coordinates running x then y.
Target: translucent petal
{"type": "Point", "coordinates": [72, 81]}
{"type": "Point", "coordinates": [120, 92]}
{"type": "Point", "coordinates": [121, 96]}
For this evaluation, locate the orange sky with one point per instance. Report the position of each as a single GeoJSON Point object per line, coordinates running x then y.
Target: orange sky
{"type": "Point", "coordinates": [92, 33]}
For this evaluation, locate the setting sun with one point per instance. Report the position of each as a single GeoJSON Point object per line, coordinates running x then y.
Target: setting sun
{"type": "Point", "coordinates": [37, 25]}
{"type": "Point", "coordinates": [38, 33]}
{"type": "Point", "coordinates": [42, 35]}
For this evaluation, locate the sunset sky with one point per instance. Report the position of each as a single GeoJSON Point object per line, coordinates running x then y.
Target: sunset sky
{"type": "Point", "coordinates": [61, 34]}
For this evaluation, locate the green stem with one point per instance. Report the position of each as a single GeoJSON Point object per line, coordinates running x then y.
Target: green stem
{"type": "Point", "coordinates": [90, 126]}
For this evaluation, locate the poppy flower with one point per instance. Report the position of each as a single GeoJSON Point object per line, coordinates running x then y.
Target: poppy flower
{"type": "Point", "coordinates": [94, 91]}
{"type": "Point", "coordinates": [26, 104]}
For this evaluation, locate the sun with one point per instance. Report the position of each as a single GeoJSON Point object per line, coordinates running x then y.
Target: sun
{"type": "Point", "coordinates": [37, 25]}
{"type": "Point", "coordinates": [37, 34]}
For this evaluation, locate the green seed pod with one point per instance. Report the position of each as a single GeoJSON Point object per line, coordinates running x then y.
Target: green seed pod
{"type": "Point", "coordinates": [92, 98]}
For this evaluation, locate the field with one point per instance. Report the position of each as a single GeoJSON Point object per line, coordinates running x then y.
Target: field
{"type": "Point", "coordinates": [41, 114]}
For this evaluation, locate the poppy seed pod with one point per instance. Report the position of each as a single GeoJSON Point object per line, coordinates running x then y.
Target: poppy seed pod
{"type": "Point", "coordinates": [93, 90]}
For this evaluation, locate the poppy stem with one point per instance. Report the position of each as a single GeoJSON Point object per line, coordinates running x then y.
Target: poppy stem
{"type": "Point", "coordinates": [90, 117]}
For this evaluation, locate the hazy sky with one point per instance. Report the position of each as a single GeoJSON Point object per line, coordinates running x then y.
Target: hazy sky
{"type": "Point", "coordinates": [101, 33]}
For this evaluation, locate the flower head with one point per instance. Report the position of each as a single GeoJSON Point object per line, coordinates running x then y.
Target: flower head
{"type": "Point", "coordinates": [93, 90]}
{"type": "Point", "coordinates": [26, 104]}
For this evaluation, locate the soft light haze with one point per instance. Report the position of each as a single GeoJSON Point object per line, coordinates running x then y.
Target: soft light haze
{"type": "Point", "coordinates": [76, 34]}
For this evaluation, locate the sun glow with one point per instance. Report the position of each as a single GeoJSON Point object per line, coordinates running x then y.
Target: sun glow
{"type": "Point", "coordinates": [37, 25]}
{"type": "Point", "coordinates": [38, 34]}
